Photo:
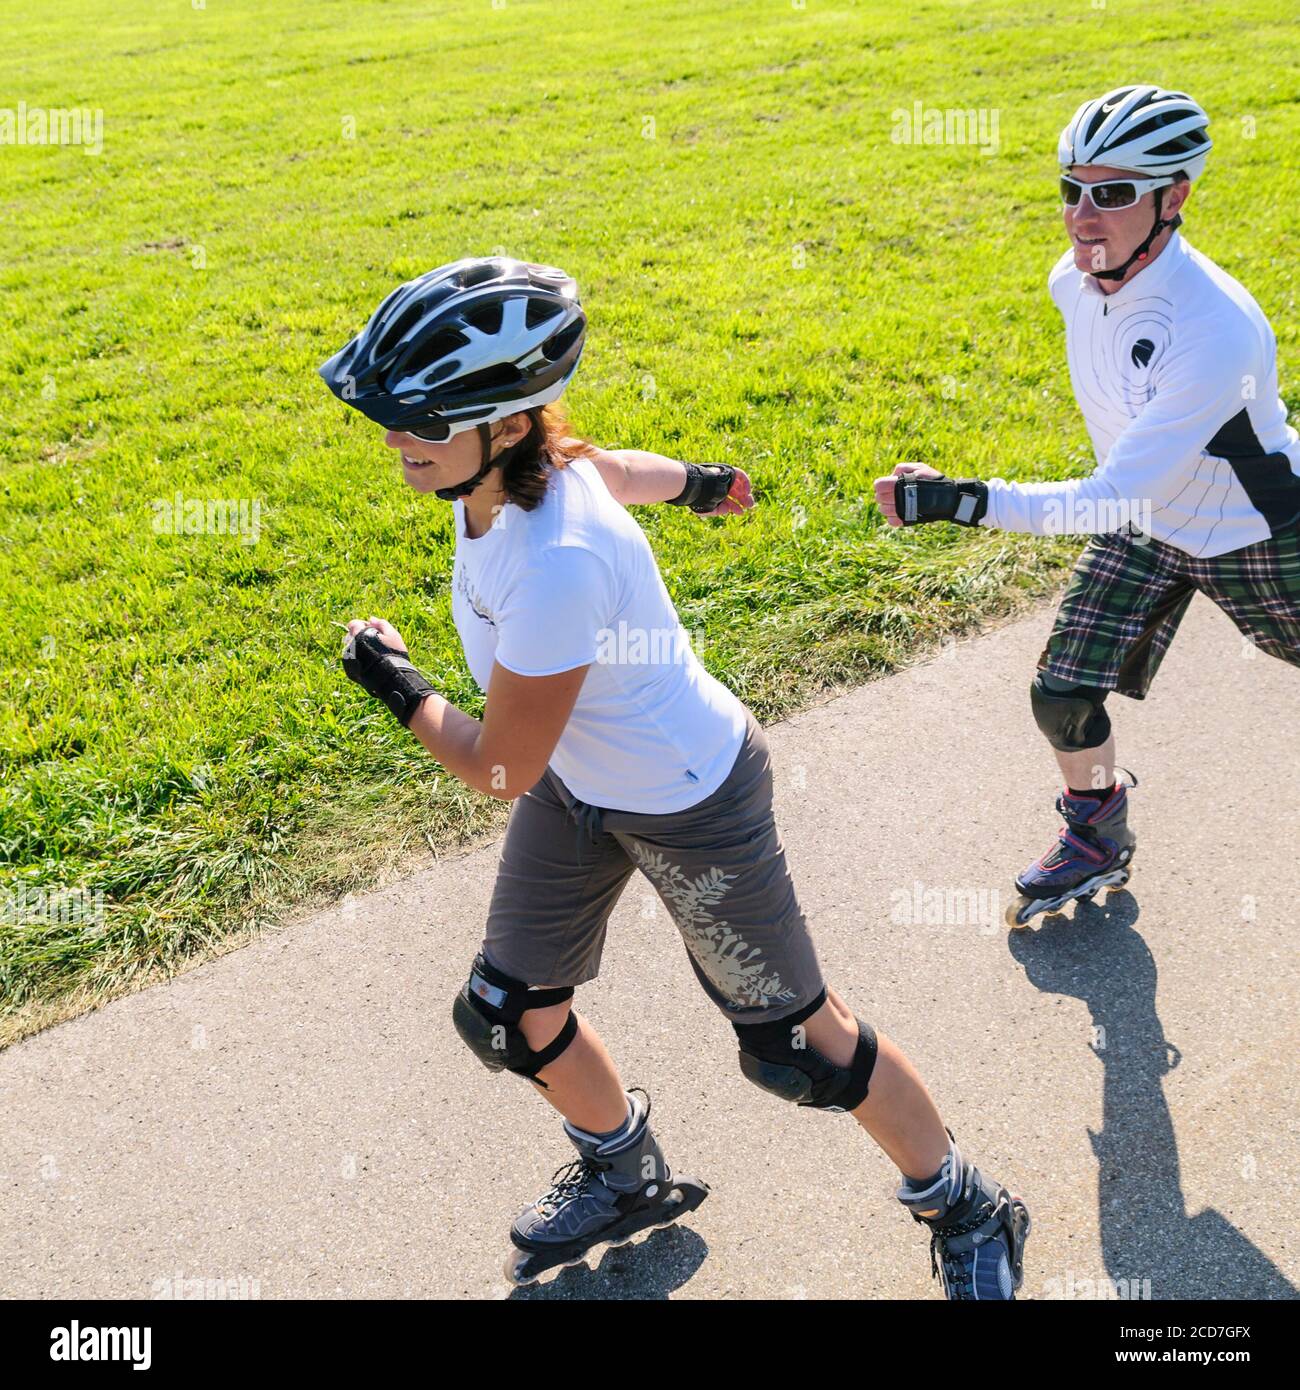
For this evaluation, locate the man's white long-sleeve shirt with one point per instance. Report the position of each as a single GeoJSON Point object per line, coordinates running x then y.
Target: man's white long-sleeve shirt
{"type": "Point", "coordinates": [1176, 375]}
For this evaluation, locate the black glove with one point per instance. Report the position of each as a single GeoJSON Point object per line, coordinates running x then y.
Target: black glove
{"type": "Point", "coordinates": [962, 500]}
{"type": "Point", "coordinates": [385, 673]}
{"type": "Point", "coordinates": [706, 485]}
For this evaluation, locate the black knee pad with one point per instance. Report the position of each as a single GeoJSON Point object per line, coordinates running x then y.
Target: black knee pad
{"type": "Point", "coordinates": [777, 1057]}
{"type": "Point", "coordinates": [486, 1014]}
{"type": "Point", "coordinates": [1074, 719]}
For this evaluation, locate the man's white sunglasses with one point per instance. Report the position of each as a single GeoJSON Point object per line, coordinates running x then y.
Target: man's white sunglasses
{"type": "Point", "coordinates": [1110, 195]}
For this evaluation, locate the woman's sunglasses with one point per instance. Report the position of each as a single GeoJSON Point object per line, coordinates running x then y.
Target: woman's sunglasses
{"type": "Point", "coordinates": [435, 431]}
{"type": "Point", "coordinates": [438, 431]}
{"type": "Point", "coordinates": [1110, 195]}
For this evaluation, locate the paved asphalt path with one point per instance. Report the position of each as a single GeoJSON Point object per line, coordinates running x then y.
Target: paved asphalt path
{"type": "Point", "coordinates": [300, 1115]}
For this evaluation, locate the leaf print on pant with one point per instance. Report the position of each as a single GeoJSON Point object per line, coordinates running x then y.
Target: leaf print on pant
{"type": "Point", "coordinates": [734, 968]}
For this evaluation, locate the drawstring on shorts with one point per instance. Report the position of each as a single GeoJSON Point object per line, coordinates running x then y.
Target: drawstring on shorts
{"type": "Point", "coordinates": [589, 820]}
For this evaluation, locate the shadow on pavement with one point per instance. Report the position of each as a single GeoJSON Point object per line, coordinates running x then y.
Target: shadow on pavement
{"type": "Point", "coordinates": [1099, 957]}
{"type": "Point", "coordinates": [649, 1267]}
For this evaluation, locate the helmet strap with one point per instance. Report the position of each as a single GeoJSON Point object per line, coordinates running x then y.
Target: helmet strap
{"type": "Point", "coordinates": [451, 494]}
{"type": "Point", "coordinates": [1141, 253]}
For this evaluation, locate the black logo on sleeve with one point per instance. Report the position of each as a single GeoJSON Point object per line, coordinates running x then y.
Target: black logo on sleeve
{"type": "Point", "coordinates": [1141, 352]}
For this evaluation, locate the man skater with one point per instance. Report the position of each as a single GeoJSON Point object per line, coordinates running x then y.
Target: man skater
{"type": "Point", "coordinates": [1197, 484]}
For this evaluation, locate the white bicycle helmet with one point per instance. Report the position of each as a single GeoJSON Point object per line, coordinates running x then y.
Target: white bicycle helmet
{"type": "Point", "coordinates": [1146, 129]}
{"type": "Point", "coordinates": [1143, 129]}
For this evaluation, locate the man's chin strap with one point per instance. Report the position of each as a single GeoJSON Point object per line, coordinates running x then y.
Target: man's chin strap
{"type": "Point", "coordinates": [1141, 253]}
{"type": "Point", "coordinates": [450, 494]}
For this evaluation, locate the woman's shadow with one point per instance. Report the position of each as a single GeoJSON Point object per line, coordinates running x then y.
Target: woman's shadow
{"type": "Point", "coordinates": [1146, 1233]}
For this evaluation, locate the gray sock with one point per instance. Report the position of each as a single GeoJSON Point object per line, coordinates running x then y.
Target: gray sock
{"type": "Point", "coordinates": [938, 1192]}
{"type": "Point", "coordinates": [618, 1133]}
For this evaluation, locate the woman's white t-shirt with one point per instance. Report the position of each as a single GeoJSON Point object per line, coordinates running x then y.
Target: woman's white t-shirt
{"type": "Point", "coordinates": [574, 583]}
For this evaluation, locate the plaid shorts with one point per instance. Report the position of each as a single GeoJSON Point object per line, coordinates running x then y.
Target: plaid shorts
{"type": "Point", "coordinates": [1127, 597]}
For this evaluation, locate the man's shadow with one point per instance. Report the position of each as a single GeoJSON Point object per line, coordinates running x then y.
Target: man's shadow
{"type": "Point", "coordinates": [1099, 957]}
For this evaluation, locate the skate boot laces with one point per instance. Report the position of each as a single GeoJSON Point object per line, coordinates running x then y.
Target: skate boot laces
{"type": "Point", "coordinates": [977, 1235]}
{"type": "Point", "coordinates": [959, 1258]}
{"type": "Point", "coordinates": [570, 1181]}
{"type": "Point", "coordinates": [576, 1178]}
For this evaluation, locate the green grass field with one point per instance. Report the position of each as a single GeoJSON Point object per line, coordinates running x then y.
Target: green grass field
{"type": "Point", "coordinates": [772, 281]}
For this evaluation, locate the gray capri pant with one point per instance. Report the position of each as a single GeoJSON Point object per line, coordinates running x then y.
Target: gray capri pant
{"type": "Point", "coordinates": [718, 866]}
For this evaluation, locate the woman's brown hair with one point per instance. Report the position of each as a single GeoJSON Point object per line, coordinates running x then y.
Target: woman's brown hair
{"type": "Point", "coordinates": [549, 444]}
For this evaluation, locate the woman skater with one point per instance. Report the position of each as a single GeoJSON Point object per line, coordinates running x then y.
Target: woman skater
{"type": "Point", "coordinates": [619, 752]}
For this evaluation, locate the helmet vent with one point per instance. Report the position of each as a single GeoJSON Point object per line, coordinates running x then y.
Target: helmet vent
{"type": "Point", "coordinates": [503, 374]}
{"type": "Point", "coordinates": [538, 311]}
{"type": "Point", "coordinates": [1147, 127]}
{"type": "Point", "coordinates": [442, 371]}
{"type": "Point", "coordinates": [398, 330]}
{"type": "Point", "coordinates": [1099, 116]}
{"type": "Point", "coordinates": [434, 349]}
{"type": "Point", "coordinates": [481, 273]}
{"type": "Point", "coordinates": [555, 347]}
{"type": "Point", "coordinates": [486, 319]}
{"type": "Point", "coordinates": [1181, 144]}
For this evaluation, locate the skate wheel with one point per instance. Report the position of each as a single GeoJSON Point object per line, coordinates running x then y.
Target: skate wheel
{"type": "Point", "coordinates": [514, 1269]}
{"type": "Point", "coordinates": [1019, 912]}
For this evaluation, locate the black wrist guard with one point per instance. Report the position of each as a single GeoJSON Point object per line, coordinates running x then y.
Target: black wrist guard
{"type": "Point", "coordinates": [706, 485]}
{"type": "Point", "coordinates": [963, 500]}
{"type": "Point", "coordinates": [385, 673]}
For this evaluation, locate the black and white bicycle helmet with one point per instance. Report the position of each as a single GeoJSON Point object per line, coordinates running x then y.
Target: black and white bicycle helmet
{"type": "Point", "coordinates": [463, 345]}
{"type": "Point", "coordinates": [1146, 129]}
